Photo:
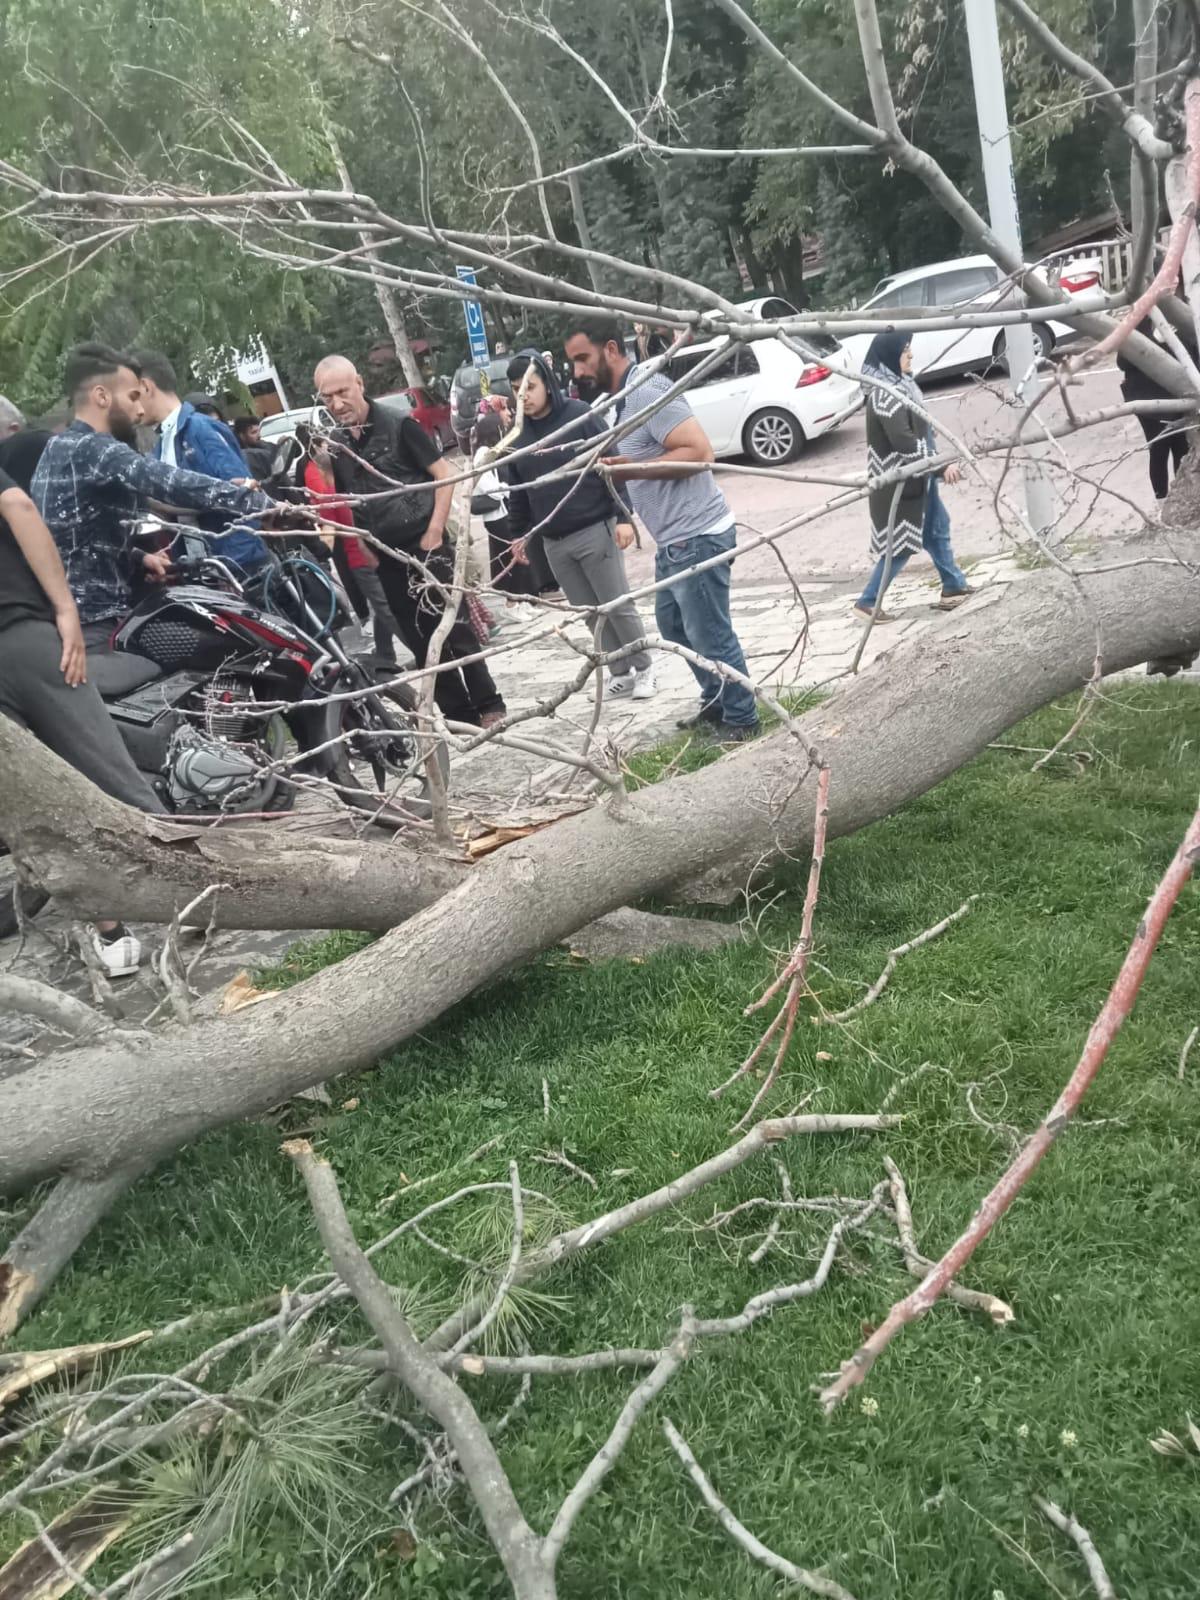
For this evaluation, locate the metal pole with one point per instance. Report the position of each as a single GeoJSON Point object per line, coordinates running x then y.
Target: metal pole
{"type": "Point", "coordinates": [991, 111]}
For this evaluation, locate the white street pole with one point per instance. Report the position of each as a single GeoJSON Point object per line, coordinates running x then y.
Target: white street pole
{"type": "Point", "coordinates": [991, 110]}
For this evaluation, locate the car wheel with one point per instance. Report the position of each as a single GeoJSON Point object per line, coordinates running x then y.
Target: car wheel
{"type": "Point", "coordinates": [1043, 344]}
{"type": "Point", "coordinates": [772, 438]}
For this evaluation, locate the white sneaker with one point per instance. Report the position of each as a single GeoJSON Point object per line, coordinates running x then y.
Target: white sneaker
{"type": "Point", "coordinates": [644, 684]}
{"type": "Point", "coordinates": [620, 688]}
{"type": "Point", "coordinates": [121, 957]}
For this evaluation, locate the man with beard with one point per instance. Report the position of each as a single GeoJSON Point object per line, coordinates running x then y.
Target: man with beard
{"type": "Point", "coordinates": [676, 496]}
{"type": "Point", "coordinates": [91, 485]}
{"type": "Point", "coordinates": [187, 438]}
{"type": "Point", "coordinates": [371, 448]}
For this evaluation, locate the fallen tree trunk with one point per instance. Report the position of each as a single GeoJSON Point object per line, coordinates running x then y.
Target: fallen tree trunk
{"type": "Point", "coordinates": [98, 857]}
{"type": "Point", "coordinates": [102, 858]}
{"type": "Point", "coordinates": [888, 737]}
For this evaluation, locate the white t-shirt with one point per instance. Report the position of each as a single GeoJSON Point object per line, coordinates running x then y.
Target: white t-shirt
{"type": "Point", "coordinates": [672, 508]}
{"type": "Point", "coordinates": [166, 436]}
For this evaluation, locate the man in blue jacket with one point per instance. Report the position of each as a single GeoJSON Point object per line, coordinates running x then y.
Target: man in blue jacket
{"type": "Point", "coordinates": [188, 438]}
{"type": "Point", "coordinates": [91, 486]}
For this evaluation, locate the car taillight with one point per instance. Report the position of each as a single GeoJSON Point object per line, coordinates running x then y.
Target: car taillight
{"type": "Point", "coordinates": [1077, 282]}
{"type": "Point", "coordinates": [812, 375]}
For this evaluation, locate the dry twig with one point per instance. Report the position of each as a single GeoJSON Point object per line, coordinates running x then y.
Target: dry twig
{"type": "Point", "coordinates": [1067, 1524]}
{"type": "Point", "coordinates": [814, 1582]}
{"type": "Point", "coordinates": [999, 1310]}
{"type": "Point", "coordinates": [794, 974]}
{"type": "Point", "coordinates": [1113, 1013]}
{"type": "Point", "coordinates": [1186, 1051]}
{"type": "Point", "coordinates": [900, 950]}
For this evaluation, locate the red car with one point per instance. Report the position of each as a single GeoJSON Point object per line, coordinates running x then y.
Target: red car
{"type": "Point", "coordinates": [429, 408]}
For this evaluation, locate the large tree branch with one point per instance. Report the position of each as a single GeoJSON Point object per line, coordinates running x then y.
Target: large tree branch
{"type": "Point", "coordinates": [1138, 128]}
{"type": "Point", "coordinates": [516, 1543]}
{"type": "Point", "coordinates": [100, 856]}
{"type": "Point", "coordinates": [894, 145]}
{"type": "Point", "coordinates": [887, 737]}
{"type": "Point", "coordinates": [1103, 1031]}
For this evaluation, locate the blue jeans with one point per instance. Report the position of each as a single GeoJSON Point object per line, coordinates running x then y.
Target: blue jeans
{"type": "Point", "coordinates": [695, 613]}
{"type": "Point", "coordinates": [935, 536]}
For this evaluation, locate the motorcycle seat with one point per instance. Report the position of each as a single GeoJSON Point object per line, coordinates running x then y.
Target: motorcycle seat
{"type": "Point", "coordinates": [117, 673]}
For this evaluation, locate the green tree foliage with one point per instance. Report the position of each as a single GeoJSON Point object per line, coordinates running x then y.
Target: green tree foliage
{"type": "Point", "coordinates": [217, 92]}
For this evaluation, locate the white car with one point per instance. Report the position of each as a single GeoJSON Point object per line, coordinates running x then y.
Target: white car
{"type": "Point", "coordinates": [763, 400]}
{"type": "Point", "coordinates": [972, 284]}
{"type": "Point", "coordinates": [284, 423]}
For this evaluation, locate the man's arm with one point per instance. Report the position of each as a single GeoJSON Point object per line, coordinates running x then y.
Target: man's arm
{"type": "Point", "coordinates": [443, 499]}
{"type": "Point", "coordinates": [176, 486]}
{"type": "Point", "coordinates": [687, 442]}
{"type": "Point", "coordinates": [37, 545]}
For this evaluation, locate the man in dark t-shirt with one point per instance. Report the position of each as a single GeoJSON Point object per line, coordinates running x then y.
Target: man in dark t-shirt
{"type": "Point", "coordinates": [373, 450]}
{"type": "Point", "coordinates": [43, 680]}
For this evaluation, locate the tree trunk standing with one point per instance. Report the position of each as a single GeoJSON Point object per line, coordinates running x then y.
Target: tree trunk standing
{"type": "Point", "coordinates": [582, 228]}
{"type": "Point", "coordinates": [887, 738]}
{"type": "Point", "coordinates": [389, 302]}
{"type": "Point", "coordinates": [743, 244]}
{"type": "Point", "coordinates": [1143, 178]}
{"type": "Point", "coordinates": [578, 210]}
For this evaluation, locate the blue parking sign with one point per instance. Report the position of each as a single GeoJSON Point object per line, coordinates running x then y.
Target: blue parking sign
{"type": "Point", "coordinates": [476, 332]}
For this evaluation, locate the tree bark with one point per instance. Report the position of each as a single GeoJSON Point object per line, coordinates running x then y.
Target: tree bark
{"type": "Point", "coordinates": [103, 858]}
{"type": "Point", "coordinates": [888, 737]}
{"type": "Point", "coordinates": [389, 302]}
{"type": "Point", "coordinates": [48, 1241]}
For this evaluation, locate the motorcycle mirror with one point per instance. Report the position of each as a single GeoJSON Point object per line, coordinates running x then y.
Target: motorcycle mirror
{"type": "Point", "coordinates": [192, 546]}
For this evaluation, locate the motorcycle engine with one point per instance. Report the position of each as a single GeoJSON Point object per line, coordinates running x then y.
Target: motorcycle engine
{"type": "Point", "coordinates": [207, 774]}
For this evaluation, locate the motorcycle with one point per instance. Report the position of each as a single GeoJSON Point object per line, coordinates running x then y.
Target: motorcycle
{"type": "Point", "coordinates": [209, 676]}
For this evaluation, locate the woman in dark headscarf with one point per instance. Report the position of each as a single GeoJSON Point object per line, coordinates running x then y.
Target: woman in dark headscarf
{"type": "Point", "coordinates": [898, 436]}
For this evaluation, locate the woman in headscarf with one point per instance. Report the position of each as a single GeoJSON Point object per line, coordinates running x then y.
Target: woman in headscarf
{"type": "Point", "coordinates": [904, 522]}
{"type": "Point", "coordinates": [586, 524]}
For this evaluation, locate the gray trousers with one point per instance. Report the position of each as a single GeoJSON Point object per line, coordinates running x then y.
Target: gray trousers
{"type": "Point", "coordinates": [591, 571]}
{"type": "Point", "coordinates": [386, 629]}
{"type": "Point", "coordinates": [74, 723]}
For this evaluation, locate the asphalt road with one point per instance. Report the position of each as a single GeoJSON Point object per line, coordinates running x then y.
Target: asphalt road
{"type": "Point", "coordinates": [1099, 476]}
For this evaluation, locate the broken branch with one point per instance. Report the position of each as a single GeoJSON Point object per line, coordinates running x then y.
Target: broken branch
{"type": "Point", "coordinates": [1103, 1031]}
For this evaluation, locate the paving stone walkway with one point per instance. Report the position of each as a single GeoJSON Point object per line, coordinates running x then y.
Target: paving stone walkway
{"type": "Point", "coordinates": [494, 784]}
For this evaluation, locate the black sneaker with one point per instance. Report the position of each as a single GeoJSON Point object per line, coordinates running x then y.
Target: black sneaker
{"type": "Point", "coordinates": [737, 732]}
{"type": "Point", "coordinates": [709, 715]}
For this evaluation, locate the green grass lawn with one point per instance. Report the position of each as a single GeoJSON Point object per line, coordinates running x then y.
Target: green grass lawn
{"type": "Point", "coordinates": [929, 1496]}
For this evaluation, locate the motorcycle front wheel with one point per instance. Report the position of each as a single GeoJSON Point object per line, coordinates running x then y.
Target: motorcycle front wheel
{"type": "Point", "coordinates": [379, 764]}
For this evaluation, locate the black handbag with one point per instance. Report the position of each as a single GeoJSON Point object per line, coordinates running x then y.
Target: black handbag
{"type": "Point", "coordinates": [485, 505]}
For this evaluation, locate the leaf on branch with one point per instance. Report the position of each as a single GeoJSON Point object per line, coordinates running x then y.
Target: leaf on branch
{"type": "Point", "coordinates": [21, 1369]}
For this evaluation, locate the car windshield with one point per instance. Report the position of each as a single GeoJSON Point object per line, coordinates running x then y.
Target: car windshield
{"type": "Point", "coordinates": [821, 344]}
{"type": "Point", "coordinates": [466, 379]}
{"type": "Point", "coordinates": [400, 405]}
{"type": "Point", "coordinates": [284, 422]}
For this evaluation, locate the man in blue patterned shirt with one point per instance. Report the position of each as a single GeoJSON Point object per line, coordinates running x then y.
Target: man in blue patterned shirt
{"type": "Point", "coordinates": [91, 485]}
